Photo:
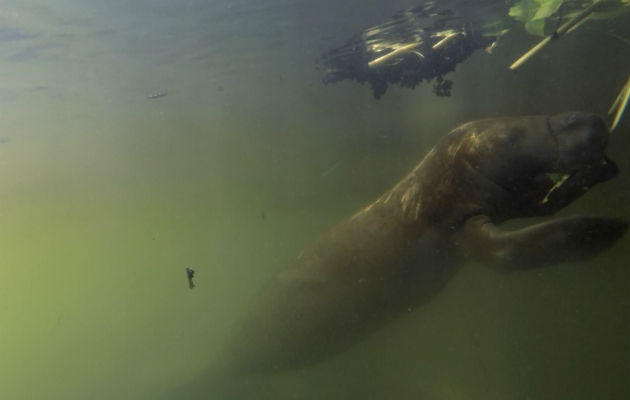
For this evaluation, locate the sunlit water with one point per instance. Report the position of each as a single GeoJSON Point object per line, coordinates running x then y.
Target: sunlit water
{"type": "Point", "coordinates": [106, 196]}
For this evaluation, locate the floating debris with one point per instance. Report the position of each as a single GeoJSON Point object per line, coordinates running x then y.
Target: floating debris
{"type": "Point", "coordinates": [418, 44]}
{"type": "Point", "coordinates": [331, 169]}
{"type": "Point", "coordinates": [157, 95]}
{"type": "Point", "coordinates": [191, 274]}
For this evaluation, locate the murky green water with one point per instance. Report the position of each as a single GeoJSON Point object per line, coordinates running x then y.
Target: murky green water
{"type": "Point", "coordinates": [105, 197]}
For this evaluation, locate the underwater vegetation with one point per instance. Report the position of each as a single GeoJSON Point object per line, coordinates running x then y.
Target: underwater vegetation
{"type": "Point", "coordinates": [426, 42]}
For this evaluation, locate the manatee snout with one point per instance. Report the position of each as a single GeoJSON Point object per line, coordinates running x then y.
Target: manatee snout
{"type": "Point", "coordinates": [580, 161]}
{"type": "Point", "coordinates": [581, 140]}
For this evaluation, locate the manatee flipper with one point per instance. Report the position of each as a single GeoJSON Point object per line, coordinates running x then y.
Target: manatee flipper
{"type": "Point", "coordinates": [555, 241]}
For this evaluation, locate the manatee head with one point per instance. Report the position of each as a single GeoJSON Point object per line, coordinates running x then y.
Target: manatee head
{"type": "Point", "coordinates": [537, 165]}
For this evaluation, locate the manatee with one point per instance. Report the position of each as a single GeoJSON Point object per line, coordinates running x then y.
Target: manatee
{"type": "Point", "coordinates": [399, 251]}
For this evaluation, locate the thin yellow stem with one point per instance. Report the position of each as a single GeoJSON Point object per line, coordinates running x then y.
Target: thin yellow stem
{"type": "Point", "coordinates": [395, 53]}
{"type": "Point", "coordinates": [621, 103]}
{"type": "Point", "coordinates": [566, 27]}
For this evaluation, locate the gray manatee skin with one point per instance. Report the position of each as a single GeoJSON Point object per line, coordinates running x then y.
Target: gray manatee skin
{"type": "Point", "coordinates": [399, 251]}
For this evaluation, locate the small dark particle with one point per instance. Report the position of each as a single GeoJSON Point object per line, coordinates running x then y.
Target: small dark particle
{"type": "Point", "coordinates": [157, 95]}
{"type": "Point", "coordinates": [263, 215]}
{"type": "Point", "coordinates": [191, 274]}
{"type": "Point", "coordinates": [219, 88]}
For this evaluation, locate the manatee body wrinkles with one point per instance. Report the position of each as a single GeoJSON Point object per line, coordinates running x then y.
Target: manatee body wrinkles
{"type": "Point", "coordinates": [399, 251]}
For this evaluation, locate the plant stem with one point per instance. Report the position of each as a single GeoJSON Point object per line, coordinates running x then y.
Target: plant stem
{"type": "Point", "coordinates": [621, 103]}
{"type": "Point", "coordinates": [401, 50]}
{"type": "Point", "coordinates": [557, 34]}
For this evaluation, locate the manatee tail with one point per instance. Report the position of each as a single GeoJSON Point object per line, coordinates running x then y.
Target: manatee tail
{"type": "Point", "coordinates": [555, 241]}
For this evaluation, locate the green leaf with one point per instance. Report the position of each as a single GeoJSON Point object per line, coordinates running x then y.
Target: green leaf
{"type": "Point", "coordinates": [534, 13]}
{"type": "Point", "coordinates": [547, 8]}
{"type": "Point", "coordinates": [535, 27]}
{"type": "Point", "coordinates": [518, 12]}
{"type": "Point", "coordinates": [523, 10]}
